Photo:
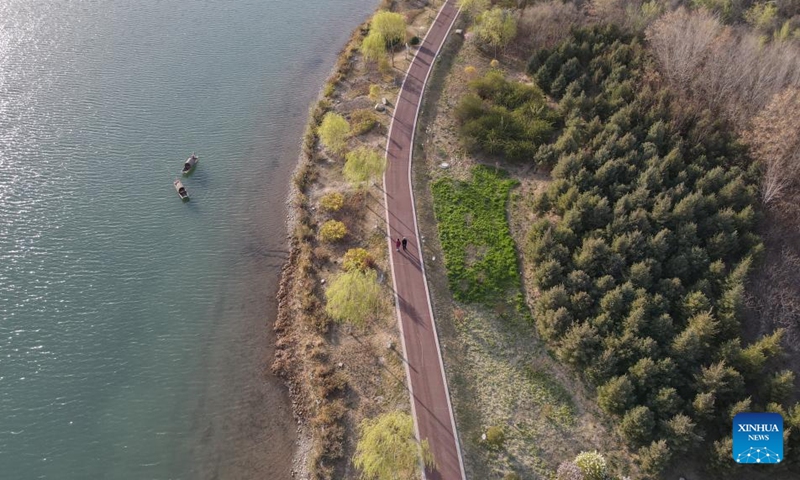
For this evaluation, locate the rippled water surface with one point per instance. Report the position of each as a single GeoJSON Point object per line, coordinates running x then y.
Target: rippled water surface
{"type": "Point", "coordinates": [134, 329]}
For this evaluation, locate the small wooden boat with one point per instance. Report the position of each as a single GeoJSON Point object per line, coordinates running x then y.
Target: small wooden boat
{"type": "Point", "coordinates": [181, 190]}
{"type": "Point", "coordinates": [189, 164]}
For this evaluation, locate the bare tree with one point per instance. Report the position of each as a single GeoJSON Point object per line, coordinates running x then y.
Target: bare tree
{"type": "Point", "coordinates": [775, 139]}
{"type": "Point", "coordinates": [681, 42]}
{"type": "Point", "coordinates": [729, 71]}
{"type": "Point", "coordinates": [546, 24]}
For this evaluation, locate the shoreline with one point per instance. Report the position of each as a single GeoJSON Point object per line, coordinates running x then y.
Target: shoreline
{"type": "Point", "coordinates": [337, 375]}
{"type": "Point", "coordinates": [295, 205]}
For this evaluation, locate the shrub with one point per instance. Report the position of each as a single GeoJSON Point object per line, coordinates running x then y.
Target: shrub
{"type": "Point", "coordinates": [331, 202]}
{"type": "Point", "coordinates": [375, 92]}
{"type": "Point", "coordinates": [333, 132]}
{"type": "Point", "coordinates": [502, 117]}
{"type": "Point", "coordinates": [329, 89]}
{"type": "Point", "coordinates": [495, 436]}
{"type": "Point", "coordinates": [357, 259]}
{"type": "Point", "coordinates": [363, 163]}
{"type": "Point", "coordinates": [363, 120]}
{"type": "Point", "coordinates": [592, 465]}
{"type": "Point", "coordinates": [332, 231]}
{"type": "Point", "coordinates": [414, 41]}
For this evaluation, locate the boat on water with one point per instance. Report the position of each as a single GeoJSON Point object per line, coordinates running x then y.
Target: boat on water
{"type": "Point", "coordinates": [189, 164]}
{"type": "Point", "coordinates": [181, 190]}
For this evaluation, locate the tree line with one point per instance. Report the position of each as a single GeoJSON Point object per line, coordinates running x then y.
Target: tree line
{"type": "Point", "coordinates": [645, 238]}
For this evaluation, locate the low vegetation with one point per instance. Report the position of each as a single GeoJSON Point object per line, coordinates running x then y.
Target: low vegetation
{"type": "Point", "coordinates": [479, 252]}
{"type": "Point", "coordinates": [363, 121]}
{"type": "Point", "coordinates": [357, 259]}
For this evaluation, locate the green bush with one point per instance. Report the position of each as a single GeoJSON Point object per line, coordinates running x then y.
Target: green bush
{"type": "Point", "coordinates": [495, 437]}
{"type": "Point", "coordinates": [332, 231]}
{"type": "Point", "coordinates": [375, 92]}
{"type": "Point", "coordinates": [353, 297]}
{"type": "Point", "coordinates": [505, 118]}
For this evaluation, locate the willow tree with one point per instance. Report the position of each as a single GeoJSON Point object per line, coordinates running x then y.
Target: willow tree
{"type": "Point", "coordinates": [388, 450]}
{"type": "Point", "coordinates": [496, 27]}
{"type": "Point", "coordinates": [354, 297]}
{"type": "Point", "coordinates": [389, 26]}
{"type": "Point", "coordinates": [373, 47]}
{"type": "Point", "coordinates": [364, 163]}
{"type": "Point", "coordinates": [474, 7]}
{"type": "Point", "coordinates": [333, 132]}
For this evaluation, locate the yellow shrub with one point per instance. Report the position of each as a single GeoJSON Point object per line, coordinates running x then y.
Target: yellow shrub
{"type": "Point", "coordinates": [331, 202]}
{"type": "Point", "coordinates": [357, 259]}
{"type": "Point", "coordinates": [374, 92]}
{"type": "Point", "coordinates": [332, 231]}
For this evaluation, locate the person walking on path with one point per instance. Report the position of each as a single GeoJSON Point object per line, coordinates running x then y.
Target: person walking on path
{"type": "Point", "coordinates": [405, 244]}
{"type": "Point", "coordinates": [397, 244]}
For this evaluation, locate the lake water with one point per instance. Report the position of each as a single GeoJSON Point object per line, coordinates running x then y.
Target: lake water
{"type": "Point", "coordinates": [135, 330]}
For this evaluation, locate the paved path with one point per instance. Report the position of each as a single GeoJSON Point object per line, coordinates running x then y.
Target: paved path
{"type": "Point", "coordinates": [430, 398]}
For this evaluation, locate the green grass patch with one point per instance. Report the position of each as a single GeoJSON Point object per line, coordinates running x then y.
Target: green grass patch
{"type": "Point", "coordinates": [478, 248]}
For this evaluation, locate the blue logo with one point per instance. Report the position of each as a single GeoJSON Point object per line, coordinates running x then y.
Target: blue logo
{"type": "Point", "coordinates": [758, 438]}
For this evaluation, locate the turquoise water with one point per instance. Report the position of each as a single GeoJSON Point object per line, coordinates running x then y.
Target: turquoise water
{"type": "Point", "coordinates": [135, 329]}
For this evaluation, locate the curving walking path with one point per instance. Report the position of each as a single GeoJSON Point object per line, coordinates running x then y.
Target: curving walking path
{"type": "Point", "coordinates": [430, 405]}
